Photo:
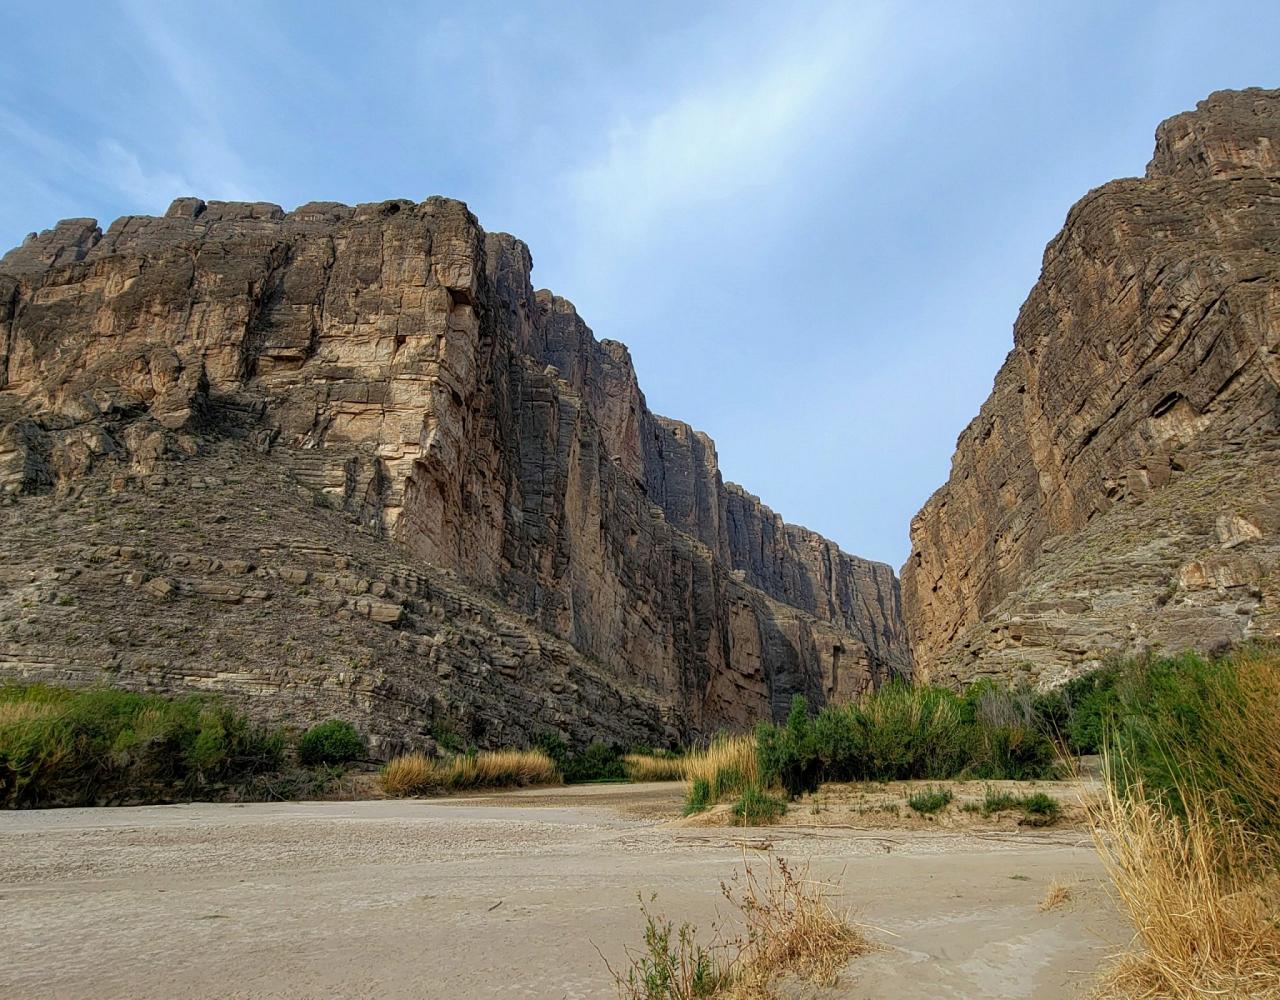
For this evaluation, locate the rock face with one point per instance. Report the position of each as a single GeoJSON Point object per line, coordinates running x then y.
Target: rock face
{"type": "Point", "coordinates": [393, 363]}
{"type": "Point", "coordinates": [1116, 492]}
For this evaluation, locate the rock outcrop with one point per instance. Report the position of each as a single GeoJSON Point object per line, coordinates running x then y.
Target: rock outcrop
{"type": "Point", "coordinates": [393, 363]}
{"type": "Point", "coordinates": [1116, 492]}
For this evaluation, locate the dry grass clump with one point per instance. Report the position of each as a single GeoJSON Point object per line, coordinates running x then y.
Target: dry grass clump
{"type": "Point", "coordinates": [789, 929]}
{"type": "Point", "coordinates": [1202, 891]}
{"type": "Point", "coordinates": [416, 773]}
{"type": "Point", "coordinates": [1054, 896]}
{"type": "Point", "coordinates": [654, 767]}
{"type": "Point", "coordinates": [727, 767]}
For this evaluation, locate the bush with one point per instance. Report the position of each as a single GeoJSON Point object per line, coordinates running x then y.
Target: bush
{"type": "Point", "coordinates": [699, 797]}
{"type": "Point", "coordinates": [1188, 725]}
{"type": "Point", "coordinates": [65, 747]}
{"type": "Point", "coordinates": [724, 768]}
{"type": "Point", "coordinates": [930, 800]}
{"type": "Point", "coordinates": [1081, 711]}
{"type": "Point", "coordinates": [788, 754]}
{"type": "Point", "coordinates": [900, 733]}
{"type": "Point", "coordinates": [654, 766]}
{"type": "Point", "coordinates": [332, 742]}
{"type": "Point", "coordinates": [1038, 808]}
{"type": "Point", "coordinates": [598, 762]}
{"type": "Point", "coordinates": [1041, 807]}
{"type": "Point", "coordinates": [757, 807]}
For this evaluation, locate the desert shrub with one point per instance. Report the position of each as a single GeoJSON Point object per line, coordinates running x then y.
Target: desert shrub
{"type": "Point", "coordinates": [672, 965]}
{"type": "Point", "coordinates": [998, 801]}
{"type": "Point", "coordinates": [787, 754]}
{"type": "Point", "coordinates": [1041, 808]}
{"type": "Point", "coordinates": [790, 933]}
{"type": "Point", "coordinates": [1189, 828]}
{"type": "Point", "coordinates": [65, 747]}
{"type": "Point", "coordinates": [1038, 808]}
{"type": "Point", "coordinates": [1009, 740]}
{"type": "Point", "coordinates": [595, 762]}
{"type": "Point", "coordinates": [757, 807]}
{"type": "Point", "coordinates": [555, 747]}
{"type": "Point", "coordinates": [1091, 702]}
{"type": "Point", "coordinates": [331, 742]}
{"type": "Point", "coordinates": [1209, 727]}
{"type": "Point", "coordinates": [698, 797]}
{"type": "Point", "coordinates": [899, 732]}
{"type": "Point", "coordinates": [930, 800]}
{"type": "Point", "coordinates": [911, 733]}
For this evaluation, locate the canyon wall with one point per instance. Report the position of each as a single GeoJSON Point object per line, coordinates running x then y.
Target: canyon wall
{"type": "Point", "coordinates": [1116, 492]}
{"type": "Point", "coordinates": [393, 364]}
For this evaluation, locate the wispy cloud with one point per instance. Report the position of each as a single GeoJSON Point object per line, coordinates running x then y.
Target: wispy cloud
{"type": "Point", "coordinates": [201, 152]}
{"type": "Point", "coordinates": [726, 136]}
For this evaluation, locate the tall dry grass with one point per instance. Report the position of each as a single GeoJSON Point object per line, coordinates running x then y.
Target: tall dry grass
{"type": "Point", "coordinates": [725, 768]}
{"type": "Point", "coordinates": [654, 767]}
{"type": "Point", "coordinates": [1203, 894]}
{"type": "Point", "coordinates": [1188, 830]}
{"type": "Point", "coordinates": [416, 773]}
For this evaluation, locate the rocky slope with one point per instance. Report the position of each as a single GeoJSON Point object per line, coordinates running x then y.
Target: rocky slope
{"type": "Point", "coordinates": [1116, 492]}
{"type": "Point", "coordinates": [221, 428]}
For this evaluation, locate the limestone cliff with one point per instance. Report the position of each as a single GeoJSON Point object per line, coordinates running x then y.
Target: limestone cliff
{"type": "Point", "coordinates": [392, 363]}
{"type": "Point", "coordinates": [1116, 492]}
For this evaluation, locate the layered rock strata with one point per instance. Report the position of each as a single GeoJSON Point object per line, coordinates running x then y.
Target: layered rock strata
{"type": "Point", "coordinates": [394, 361]}
{"type": "Point", "coordinates": [1115, 493]}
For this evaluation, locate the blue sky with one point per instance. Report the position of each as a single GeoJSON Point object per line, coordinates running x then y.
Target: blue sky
{"type": "Point", "coordinates": [812, 223]}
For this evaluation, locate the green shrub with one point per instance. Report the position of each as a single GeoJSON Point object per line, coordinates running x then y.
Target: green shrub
{"type": "Point", "coordinates": [1081, 711]}
{"type": "Point", "coordinates": [757, 807]}
{"type": "Point", "coordinates": [699, 797]}
{"type": "Point", "coordinates": [672, 965]}
{"type": "Point", "coordinates": [996, 801]}
{"type": "Point", "coordinates": [787, 754]}
{"type": "Point", "coordinates": [1187, 727]}
{"type": "Point", "coordinates": [597, 762]}
{"type": "Point", "coordinates": [64, 747]}
{"type": "Point", "coordinates": [554, 746]}
{"type": "Point", "coordinates": [930, 800]}
{"type": "Point", "coordinates": [331, 742]}
{"type": "Point", "coordinates": [1041, 807]}
{"type": "Point", "coordinates": [900, 732]}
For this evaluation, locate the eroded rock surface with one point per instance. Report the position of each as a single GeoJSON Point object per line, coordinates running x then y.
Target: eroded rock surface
{"type": "Point", "coordinates": [1116, 492]}
{"type": "Point", "coordinates": [500, 463]}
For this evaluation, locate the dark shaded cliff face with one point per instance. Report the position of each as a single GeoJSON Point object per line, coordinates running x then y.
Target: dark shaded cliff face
{"type": "Point", "coordinates": [393, 363]}
{"type": "Point", "coordinates": [1116, 492]}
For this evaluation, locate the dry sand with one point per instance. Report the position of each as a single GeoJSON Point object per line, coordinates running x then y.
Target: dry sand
{"type": "Point", "coordinates": [504, 896]}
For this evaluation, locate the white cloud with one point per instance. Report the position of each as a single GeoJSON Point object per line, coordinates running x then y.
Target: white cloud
{"type": "Point", "coordinates": [729, 135]}
{"type": "Point", "coordinates": [201, 152]}
{"type": "Point", "coordinates": [125, 172]}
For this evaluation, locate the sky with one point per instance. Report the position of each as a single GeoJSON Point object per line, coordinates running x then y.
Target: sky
{"type": "Point", "coordinates": [812, 223]}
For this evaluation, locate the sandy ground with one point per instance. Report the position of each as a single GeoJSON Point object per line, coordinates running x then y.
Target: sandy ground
{"type": "Point", "coordinates": [504, 896]}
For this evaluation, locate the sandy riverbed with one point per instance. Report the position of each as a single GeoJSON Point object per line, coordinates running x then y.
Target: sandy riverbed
{"type": "Point", "coordinates": [503, 896]}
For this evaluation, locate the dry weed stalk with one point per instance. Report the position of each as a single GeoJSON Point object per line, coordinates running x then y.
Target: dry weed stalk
{"type": "Point", "coordinates": [789, 929]}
